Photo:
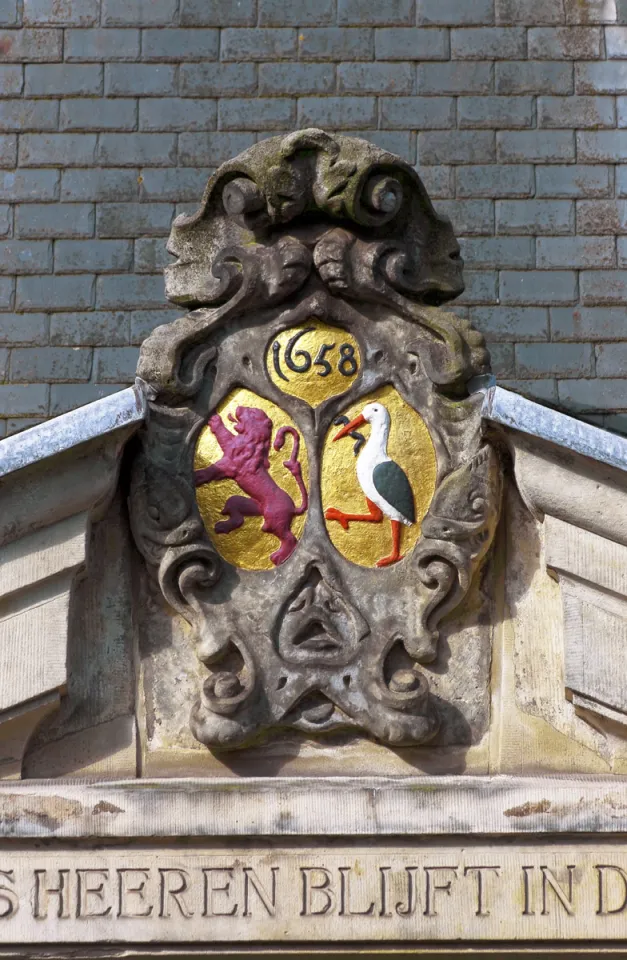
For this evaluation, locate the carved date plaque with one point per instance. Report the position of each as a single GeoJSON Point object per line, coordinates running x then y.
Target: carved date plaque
{"type": "Point", "coordinates": [313, 491]}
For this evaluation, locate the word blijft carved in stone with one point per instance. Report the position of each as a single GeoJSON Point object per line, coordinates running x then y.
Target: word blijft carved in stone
{"type": "Point", "coordinates": [313, 490]}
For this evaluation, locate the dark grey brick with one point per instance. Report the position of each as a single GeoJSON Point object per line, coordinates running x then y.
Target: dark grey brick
{"type": "Point", "coordinates": [138, 12]}
{"type": "Point", "coordinates": [596, 394]}
{"type": "Point", "coordinates": [179, 184]}
{"type": "Point", "coordinates": [379, 78]}
{"type": "Point", "coordinates": [77, 13]}
{"type": "Point", "coordinates": [410, 43]}
{"type": "Point", "coordinates": [512, 323]}
{"type": "Point", "coordinates": [218, 13]}
{"type": "Point", "coordinates": [621, 103]}
{"type": "Point", "coordinates": [25, 185]}
{"type": "Point", "coordinates": [57, 149]}
{"type": "Point", "coordinates": [569, 252]}
{"type": "Point", "coordinates": [530, 12]}
{"type": "Point", "coordinates": [439, 181]}
{"type": "Point", "coordinates": [336, 43]}
{"type": "Point", "coordinates": [21, 400]}
{"type": "Point", "coordinates": [275, 44]}
{"type": "Point", "coordinates": [454, 77]}
{"type": "Point", "coordinates": [495, 112]}
{"type": "Point", "coordinates": [137, 149]}
{"type": "Point", "coordinates": [455, 12]}
{"type": "Point", "coordinates": [390, 13]}
{"type": "Point", "coordinates": [600, 77]}
{"type": "Point", "coordinates": [6, 220]}
{"type": "Point", "coordinates": [418, 113]}
{"type": "Point", "coordinates": [54, 293]}
{"type": "Point", "coordinates": [98, 115]}
{"type": "Point", "coordinates": [28, 115]}
{"type": "Point", "coordinates": [296, 78]}
{"type": "Point", "coordinates": [176, 114]}
{"type": "Point", "coordinates": [7, 293]}
{"type": "Point", "coordinates": [588, 323]}
{"type": "Point", "coordinates": [565, 43]}
{"type": "Point", "coordinates": [93, 256]}
{"type": "Point", "coordinates": [11, 80]}
{"type": "Point", "coordinates": [592, 11]}
{"type": "Point", "coordinates": [180, 44]}
{"type": "Point", "coordinates": [608, 145]}
{"type": "Point", "coordinates": [140, 79]}
{"type": "Point", "coordinates": [143, 322]}
{"type": "Point", "coordinates": [89, 329]}
{"type": "Point", "coordinates": [534, 76]}
{"type": "Point", "coordinates": [9, 14]}
{"type": "Point", "coordinates": [402, 143]}
{"type": "Point", "coordinates": [492, 180]}
{"type": "Point", "coordinates": [260, 114]}
{"type": "Point", "coordinates": [476, 146]}
{"type": "Point", "coordinates": [533, 217]}
{"type": "Point", "coordinates": [498, 252]}
{"type": "Point", "coordinates": [604, 287]}
{"type": "Point", "coordinates": [30, 46]}
{"type": "Point", "coordinates": [611, 359]}
{"type": "Point", "coordinates": [18, 257]}
{"type": "Point", "coordinates": [621, 250]}
{"type": "Point", "coordinates": [484, 43]}
{"type": "Point", "coordinates": [115, 364]}
{"type": "Point", "coordinates": [281, 13]}
{"type": "Point", "coordinates": [67, 396]}
{"type": "Point", "coordinates": [17, 424]}
{"type": "Point", "coordinates": [23, 328]}
{"type": "Point", "coordinates": [544, 146]}
{"type": "Point", "coordinates": [616, 42]}
{"type": "Point", "coordinates": [101, 44]}
{"type": "Point", "coordinates": [346, 113]}
{"type": "Point", "coordinates": [554, 360]}
{"type": "Point", "coordinates": [579, 112]}
{"type": "Point", "coordinates": [210, 150]}
{"type": "Point", "coordinates": [217, 79]}
{"type": "Point", "coordinates": [100, 184]}
{"type": "Point", "coordinates": [469, 216]}
{"type": "Point", "coordinates": [63, 79]}
{"type": "Point", "coordinates": [538, 287]}
{"type": "Point", "coordinates": [126, 291]}
{"type": "Point", "coordinates": [33, 364]}
{"type": "Point", "coordinates": [573, 181]}
{"type": "Point", "coordinates": [35, 220]}
{"type": "Point", "coordinates": [481, 287]}
{"type": "Point", "coordinates": [599, 217]}
{"type": "Point", "coordinates": [502, 359]}
{"type": "Point", "coordinates": [134, 219]}
{"type": "Point", "coordinates": [151, 255]}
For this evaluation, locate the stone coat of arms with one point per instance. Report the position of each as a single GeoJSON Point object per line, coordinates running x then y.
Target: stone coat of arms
{"type": "Point", "coordinates": [313, 490]}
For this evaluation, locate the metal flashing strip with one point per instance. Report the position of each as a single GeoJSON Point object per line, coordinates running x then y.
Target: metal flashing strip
{"type": "Point", "coordinates": [324, 807]}
{"type": "Point", "coordinates": [512, 410]}
{"type": "Point", "coordinates": [121, 409]}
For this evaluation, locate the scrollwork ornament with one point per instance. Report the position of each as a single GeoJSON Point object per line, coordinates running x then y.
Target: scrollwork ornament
{"type": "Point", "coordinates": [312, 490]}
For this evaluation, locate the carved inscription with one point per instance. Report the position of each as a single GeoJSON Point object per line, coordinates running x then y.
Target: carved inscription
{"type": "Point", "coordinates": [525, 892]}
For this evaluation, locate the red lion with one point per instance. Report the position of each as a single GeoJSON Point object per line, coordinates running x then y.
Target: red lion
{"type": "Point", "coordinates": [246, 461]}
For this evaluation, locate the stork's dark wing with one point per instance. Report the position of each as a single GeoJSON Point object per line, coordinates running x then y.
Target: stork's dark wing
{"type": "Point", "coordinates": [392, 484]}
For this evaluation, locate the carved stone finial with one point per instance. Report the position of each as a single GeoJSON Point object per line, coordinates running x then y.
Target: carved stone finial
{"type": "Point", "coordinates": [313, 491]}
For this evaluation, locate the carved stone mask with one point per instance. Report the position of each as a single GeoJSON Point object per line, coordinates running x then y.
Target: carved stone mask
{"type": "Point", "coordinates": [313, 491]}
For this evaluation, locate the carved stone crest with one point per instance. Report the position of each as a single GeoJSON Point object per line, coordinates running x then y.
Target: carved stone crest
{"type": "Point", "coordinates": [312, 489]}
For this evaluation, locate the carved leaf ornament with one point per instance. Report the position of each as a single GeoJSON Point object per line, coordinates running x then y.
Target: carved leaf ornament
{"type": "Point", "coordinates": [312, 489]}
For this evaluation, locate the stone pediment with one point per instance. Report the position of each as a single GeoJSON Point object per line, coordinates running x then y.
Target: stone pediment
{"type": "Point", "coordinates": [317, 608]}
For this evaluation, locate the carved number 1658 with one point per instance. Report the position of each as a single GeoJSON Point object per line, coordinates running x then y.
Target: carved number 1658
{"type": "Point", "coordinates": [299, 361]}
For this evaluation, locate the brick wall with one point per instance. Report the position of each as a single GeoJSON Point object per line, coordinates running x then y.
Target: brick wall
{"type": "Point", "coordinates": [113, 114]}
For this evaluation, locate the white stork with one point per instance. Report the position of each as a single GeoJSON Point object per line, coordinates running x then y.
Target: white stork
{"type": "Point", "coordinates": [385, 485]}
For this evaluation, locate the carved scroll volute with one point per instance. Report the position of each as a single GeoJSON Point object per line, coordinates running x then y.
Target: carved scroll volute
{"type": "Point", "coordinates": [313, 492]}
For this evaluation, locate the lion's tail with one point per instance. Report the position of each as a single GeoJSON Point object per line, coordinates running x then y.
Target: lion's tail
{"type": "Point", "coordinates": [293, 464]}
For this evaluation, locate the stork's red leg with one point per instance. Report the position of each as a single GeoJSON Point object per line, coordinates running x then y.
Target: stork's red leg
{"type": "Point", "coordinates": [396, 555]}
{"type": "Point", "coordinates": [375, 515]}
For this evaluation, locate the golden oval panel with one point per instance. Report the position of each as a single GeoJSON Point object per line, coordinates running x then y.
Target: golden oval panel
{"type": "Point", "coordinates": [313, 361]}
{"type": "Point", "coordinates": [409, 446]}
{"type": "Point", "coordinates": [248, 546]}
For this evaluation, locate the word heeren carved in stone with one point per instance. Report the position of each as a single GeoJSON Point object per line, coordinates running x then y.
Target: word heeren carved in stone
{"type": "Point", "coordinates": [312, 489]}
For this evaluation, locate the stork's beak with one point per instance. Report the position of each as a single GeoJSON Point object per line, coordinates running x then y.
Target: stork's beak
{"type": "Point", "coordinates": [344, 432]}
